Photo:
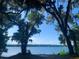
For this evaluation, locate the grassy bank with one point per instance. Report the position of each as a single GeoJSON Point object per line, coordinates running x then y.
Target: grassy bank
{"type": "Point", "coordinates": [29, 56]}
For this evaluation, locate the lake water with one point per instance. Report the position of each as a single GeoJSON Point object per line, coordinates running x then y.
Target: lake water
{"type": "Point", "coordinates": [36, 50]}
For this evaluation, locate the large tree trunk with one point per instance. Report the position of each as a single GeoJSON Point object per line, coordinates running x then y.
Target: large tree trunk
{"type": "Point", "coordinates": [75, 46]}
{"type": "Point", "coordinates": [75, 42]}
{"type": "Point", "coordinates": [73, 38]}
{"type": "Point", "coordinates": [70, 47]}
{"type": "Point", "coordinates": [71, 50]}
{"type": "Point", "coordinates": [23, 47]}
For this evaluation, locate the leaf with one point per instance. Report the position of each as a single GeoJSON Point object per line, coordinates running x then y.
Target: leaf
{"type": "Point", "coordinates": [35, 18]}
{"type": "Point", "coordinates": [70, 19]}
{"type": "Point", "coordinates": [77, 16]}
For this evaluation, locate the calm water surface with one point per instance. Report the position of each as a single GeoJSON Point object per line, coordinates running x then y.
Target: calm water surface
{"type": "Point", "coordinates": [36, 50]}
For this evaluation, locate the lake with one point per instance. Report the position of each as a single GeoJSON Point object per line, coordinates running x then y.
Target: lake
{"type": "Point", "coordinates": [12, 50]}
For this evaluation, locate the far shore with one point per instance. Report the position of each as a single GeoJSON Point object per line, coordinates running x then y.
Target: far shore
{"type": "Point", "coordinates": [38, 45]}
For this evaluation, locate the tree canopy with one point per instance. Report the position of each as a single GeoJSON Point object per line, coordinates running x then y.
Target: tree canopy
{"type": "Point", "coordinates": [11, 12]}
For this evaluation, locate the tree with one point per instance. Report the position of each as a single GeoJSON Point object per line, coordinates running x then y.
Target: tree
{"type": "Point", "coordinates": [57, 12]}
{"type": "Point", "coordinates": [74, 35]}
{"type": "Point", "coordinates": [27, 29]}
{"type": "Point", "coordinates": [4, 26]}
{"type": "Point", "coordinates": [3, 40]}
{"type": "Point", "coordinates": [61, 21]}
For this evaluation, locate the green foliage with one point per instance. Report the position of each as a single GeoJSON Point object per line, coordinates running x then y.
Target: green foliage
{"type": "Point", "coordinates": [4, 26]}
{"type": "Point", "coordinates": [3, 40]}
{"type": "Point", "coordinates": [21, 32]}
{"type": "Point", "coordinates": [16, 37]}
{"type": "Point", "coordinates": [77, 49]}
{"type": "Point", "coordinates": [35, 18]}
{"type": "Point", "coordinates": [26, 4]}
{"type": "Point", "coordinates": [63, 53]}
{"type": "Point", "coordinates": [62, 39]}
{"type": "Point", "coordinates": [77, 16]}
{"type": "Point", "coordinates": [25, 31]}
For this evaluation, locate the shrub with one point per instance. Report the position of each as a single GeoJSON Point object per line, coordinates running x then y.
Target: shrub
{"type": "Point", "coordinates": [62, 53]}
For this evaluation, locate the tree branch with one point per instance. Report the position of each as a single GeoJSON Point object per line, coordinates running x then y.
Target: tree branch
{"type": "Point", "coordinates": [55, 15]}
{"type": "Point", "coordinates": [67, 14]}
{"type": "Point", "coordinates": [56, 11]}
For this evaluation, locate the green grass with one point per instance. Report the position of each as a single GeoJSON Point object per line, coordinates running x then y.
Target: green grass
{"type": "Point", "coordinates": [62, 53]}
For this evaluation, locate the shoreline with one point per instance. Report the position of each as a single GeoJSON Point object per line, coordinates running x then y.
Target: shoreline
{"type": "Point", "coordinates": [38, 45]}
{"type": "Point", "coordinates": [40, 56]}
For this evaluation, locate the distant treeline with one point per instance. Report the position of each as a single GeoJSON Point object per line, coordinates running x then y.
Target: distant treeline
{"type": "Point", "coordinates": [37, 45]}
